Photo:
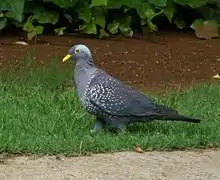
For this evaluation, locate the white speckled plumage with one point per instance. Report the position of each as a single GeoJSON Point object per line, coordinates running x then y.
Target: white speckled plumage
{"type": "Point", "coordinates": [111, 101]}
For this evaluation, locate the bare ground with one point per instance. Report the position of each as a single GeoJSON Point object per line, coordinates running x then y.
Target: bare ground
{"type": "Point", "coordinates": [174, 61]}
{"type": "Point", "coordinates": [121, 166]}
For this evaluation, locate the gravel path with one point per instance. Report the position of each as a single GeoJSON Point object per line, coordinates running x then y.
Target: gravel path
{"type": "Point", "coordinates": [176, 165]}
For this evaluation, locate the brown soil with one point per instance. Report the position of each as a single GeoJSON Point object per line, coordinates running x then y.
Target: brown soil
{"type": "Point", "coordinates": [170, 61]}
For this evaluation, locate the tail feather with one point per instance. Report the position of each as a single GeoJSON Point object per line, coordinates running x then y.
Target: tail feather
{"type": "Point", "coordinates": [179, 117]}
{"type": "Point", "coordinates": [173, 115]}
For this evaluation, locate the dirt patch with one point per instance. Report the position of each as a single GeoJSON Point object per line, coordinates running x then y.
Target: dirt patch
{"type": "Point", "coordinates": [172, 61]}
{"type": "Point", "coordinates": [120, 166]}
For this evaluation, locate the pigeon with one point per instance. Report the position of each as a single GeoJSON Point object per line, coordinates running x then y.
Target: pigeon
{"type": "Point", "coordinates": [113, 103]}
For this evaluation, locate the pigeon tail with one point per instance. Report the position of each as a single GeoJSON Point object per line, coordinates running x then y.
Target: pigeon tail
{"type": "Point", "coordinates": [173, 115]}
{"type": "Point", "coordinates": [178, 117]}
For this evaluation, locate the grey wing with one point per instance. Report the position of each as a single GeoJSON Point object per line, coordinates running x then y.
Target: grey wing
{"type": "Point", "coordinates": [115, 98]}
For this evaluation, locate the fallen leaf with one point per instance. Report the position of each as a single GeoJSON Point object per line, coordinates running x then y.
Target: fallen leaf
{"type": "Point", "coordinates": [138, 149]}
{"type": "Point", "coordinates": [217, 76]}
{"type": "Point", "coordinates": [21, 43]}
{"type": "Point", "coordinates": [206, 29]}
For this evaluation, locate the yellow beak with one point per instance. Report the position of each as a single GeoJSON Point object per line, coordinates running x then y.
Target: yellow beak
{"type": "Point", "coordinates": [67, 57]}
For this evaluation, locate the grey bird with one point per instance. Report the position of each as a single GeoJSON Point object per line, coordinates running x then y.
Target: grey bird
{"type": "Point", "coordinates": [114, 104]}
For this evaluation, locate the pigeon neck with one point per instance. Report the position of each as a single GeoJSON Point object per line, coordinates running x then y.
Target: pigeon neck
{"type": "Point", "coordinates": [87, 63]}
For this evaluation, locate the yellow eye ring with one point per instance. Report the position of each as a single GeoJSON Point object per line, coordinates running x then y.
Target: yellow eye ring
{"type": "Point", "coordinates": [77, 51]}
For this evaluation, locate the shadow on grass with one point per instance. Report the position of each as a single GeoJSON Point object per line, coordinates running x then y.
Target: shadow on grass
{"type": "Point", "coordinates": [40, 113]}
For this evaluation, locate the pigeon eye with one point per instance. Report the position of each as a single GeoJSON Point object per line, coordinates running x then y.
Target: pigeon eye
{"type": "Point", "coordinates": [77, 51]}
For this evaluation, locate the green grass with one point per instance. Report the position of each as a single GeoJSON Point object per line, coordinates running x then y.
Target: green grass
{"type": "Point", "coordinates": [40, 114]}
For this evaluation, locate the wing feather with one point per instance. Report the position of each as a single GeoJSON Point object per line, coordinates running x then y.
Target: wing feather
{"type": "Point", "coordinates": [115, 98]}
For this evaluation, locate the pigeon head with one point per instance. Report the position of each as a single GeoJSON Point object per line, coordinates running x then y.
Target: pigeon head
{"type": "Point", "coordinates": [78, 52]}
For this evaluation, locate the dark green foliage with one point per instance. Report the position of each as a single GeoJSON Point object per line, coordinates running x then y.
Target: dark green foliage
{"type": "Point", "coordinates": [110, 17]}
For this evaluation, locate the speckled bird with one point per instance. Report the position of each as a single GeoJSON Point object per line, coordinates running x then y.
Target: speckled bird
{"type": "Point", "coordinates": [114, 104]}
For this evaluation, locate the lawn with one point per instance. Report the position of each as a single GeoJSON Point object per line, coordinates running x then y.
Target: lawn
{"type": "Point", "coordinates": [40, 113]}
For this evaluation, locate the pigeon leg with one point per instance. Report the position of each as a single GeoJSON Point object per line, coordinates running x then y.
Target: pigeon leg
{"type": "Point", "coordinates": [120, 128]}
{"type": "Point", "coordinates": [118, 124]}
{"type": "Point", "coordinates": [99, 125]}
